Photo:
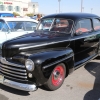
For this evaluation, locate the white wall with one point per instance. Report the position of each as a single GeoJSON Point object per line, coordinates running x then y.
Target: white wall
{"type": "Point", "coordinates": [22, 4]}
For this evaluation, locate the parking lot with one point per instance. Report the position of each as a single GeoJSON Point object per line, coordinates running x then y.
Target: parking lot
{"type": "Point", "coordinates": [83, 84]}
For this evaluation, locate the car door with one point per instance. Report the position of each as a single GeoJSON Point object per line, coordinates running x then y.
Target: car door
{"type": "Point", "coordinates": [96, 27]}
{"type": "Point", "coordinates": [84, 41]}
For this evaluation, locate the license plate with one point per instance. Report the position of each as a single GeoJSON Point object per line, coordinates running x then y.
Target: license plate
{"type": "Point", "coordinates": [1, 79]}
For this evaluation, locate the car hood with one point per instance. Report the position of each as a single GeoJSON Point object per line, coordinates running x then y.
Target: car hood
{"type": "Point", "coordinates": [37, 41]}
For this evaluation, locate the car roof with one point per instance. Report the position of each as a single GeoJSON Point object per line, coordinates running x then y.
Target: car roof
{"type": "Point", "coordinates": [72, 16]}
{"type": "Point", "coordinates": [18, 19]}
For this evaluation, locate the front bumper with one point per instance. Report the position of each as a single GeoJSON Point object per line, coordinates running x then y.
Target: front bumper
{"type": "Point", "coordinates": [16, 72]}
{"type": "Point", "coordinates": [20, 86]}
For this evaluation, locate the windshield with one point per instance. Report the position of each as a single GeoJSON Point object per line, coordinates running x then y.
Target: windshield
{"type": "Point", "coordinates": [57, 25]}
{"type": "Point", "coordinates": [22, 25]}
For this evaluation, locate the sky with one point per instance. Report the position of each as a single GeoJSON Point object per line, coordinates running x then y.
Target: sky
{"type": "Point", "coordinates": [52, 6]}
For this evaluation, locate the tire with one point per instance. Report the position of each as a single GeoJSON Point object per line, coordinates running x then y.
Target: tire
{"type": "Point", "coordinates": [56, 78]}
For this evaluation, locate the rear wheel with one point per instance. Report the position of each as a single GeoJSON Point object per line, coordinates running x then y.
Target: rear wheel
{"type": "Point", "coordinates": [57, 77]}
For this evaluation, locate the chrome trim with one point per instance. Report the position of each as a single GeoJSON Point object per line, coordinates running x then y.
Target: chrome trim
{"type": "Point", "coordinates": [44, 44]}
{"type": "Point", "coordinates": [7, 70]}
{"type": "Point", "coordinates": [27, 47]}
{"type": "Point", "coordinates": [33, 66]}
{"type": "Point", "coordinates": [87, 48]}
{"type": "Point", "coordinates": [56, 62]}
{"type": "Point", "coordinates": [85, 62]}
{"type": "Point", "coordinates": [14, 69]}
{"type": "Point", "coordinates": [4, 61]}
{"type": "Point", "coordinates": [20, 86]}
{"type": "Point", "coordinates": [52, 24]}
{"type": "Point", "coordinates": [23, 77]}
{"type": "Point", "coordinates": [14, 78]}
{"type": "Point", "coordinates": [80, 36]}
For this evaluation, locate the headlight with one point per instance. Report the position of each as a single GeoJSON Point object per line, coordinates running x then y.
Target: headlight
{"type": "Point", "coordinates": [29, 65]}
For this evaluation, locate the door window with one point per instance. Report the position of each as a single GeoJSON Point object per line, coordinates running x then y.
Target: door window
{"type": "Point", "coordinates": [84, 26]}
{"type": "Point", "coordinates": [96, 24]}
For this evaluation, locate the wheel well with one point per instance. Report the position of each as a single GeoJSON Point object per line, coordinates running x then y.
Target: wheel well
{"type": "Point", "coordinates": [67, 68]}
{"type": "Point", "coordinates": [49, 70]}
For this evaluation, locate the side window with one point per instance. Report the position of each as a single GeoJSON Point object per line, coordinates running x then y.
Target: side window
{"type": "Point", "coordinates": [83, 26]}
{"type": "Point", "coordinates": [96, 24]}
{"type": "Point", "coordinates": [30, 26]}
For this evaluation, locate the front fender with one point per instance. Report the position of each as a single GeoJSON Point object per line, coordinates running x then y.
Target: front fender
{"type": "Point", "coordinates": [47, 60]}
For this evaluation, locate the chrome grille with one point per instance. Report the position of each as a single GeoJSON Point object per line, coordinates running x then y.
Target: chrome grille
{"type": "Point", "coordinates": [13, 71]}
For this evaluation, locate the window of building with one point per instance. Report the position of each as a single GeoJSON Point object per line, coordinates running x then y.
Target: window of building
{"type": "Point", "coordinates": [96, 24]}
{"type": "Point", "coordinates": [17, 8]}
{"type": "Point", "coordinates": [10, 8]}
{"type": "Point", "coordinates": [25, 9]}
{"type": "Point", "coordinates": [2, 7]}
{"type": "Point", "coordinates": [84, 26]}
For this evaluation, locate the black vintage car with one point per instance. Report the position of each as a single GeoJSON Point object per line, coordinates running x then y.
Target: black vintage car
{"type": "Point", "coordinates": [60, 44]}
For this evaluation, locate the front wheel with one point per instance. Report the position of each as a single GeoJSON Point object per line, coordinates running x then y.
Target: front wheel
{"type": "Point", "coordinates": [57, 77]}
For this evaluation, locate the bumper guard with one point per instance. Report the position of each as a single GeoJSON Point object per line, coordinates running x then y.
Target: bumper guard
{"type": "Point", "coordinates": [20, 86]}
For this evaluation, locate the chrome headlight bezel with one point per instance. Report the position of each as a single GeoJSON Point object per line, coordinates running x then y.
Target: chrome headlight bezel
{"type": "Point", "coordinates": [29, 65]}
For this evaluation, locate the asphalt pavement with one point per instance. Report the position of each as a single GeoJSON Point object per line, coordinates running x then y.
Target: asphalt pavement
{"type": "Point", "coordinates": [82, 84]}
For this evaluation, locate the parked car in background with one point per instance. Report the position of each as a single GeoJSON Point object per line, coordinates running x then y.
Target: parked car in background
{"type": "Point", "coordinates": [14, 27]}
{"type": "Point", "coordinates": [6, 14]}
{"type": "Point", "coordinates": [60, 44]}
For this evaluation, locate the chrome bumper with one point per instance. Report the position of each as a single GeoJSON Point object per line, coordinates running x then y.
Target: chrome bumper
{"type": "Point", "coordinates": [13, 84]}
{"type": "Point", "coordinates": [20, 86]}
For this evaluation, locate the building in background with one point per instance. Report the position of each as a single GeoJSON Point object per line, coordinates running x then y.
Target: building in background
{"type": "Point", "coordinates": [33, 7]}
{"type": "Point", "coordinates": [20, 6]}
